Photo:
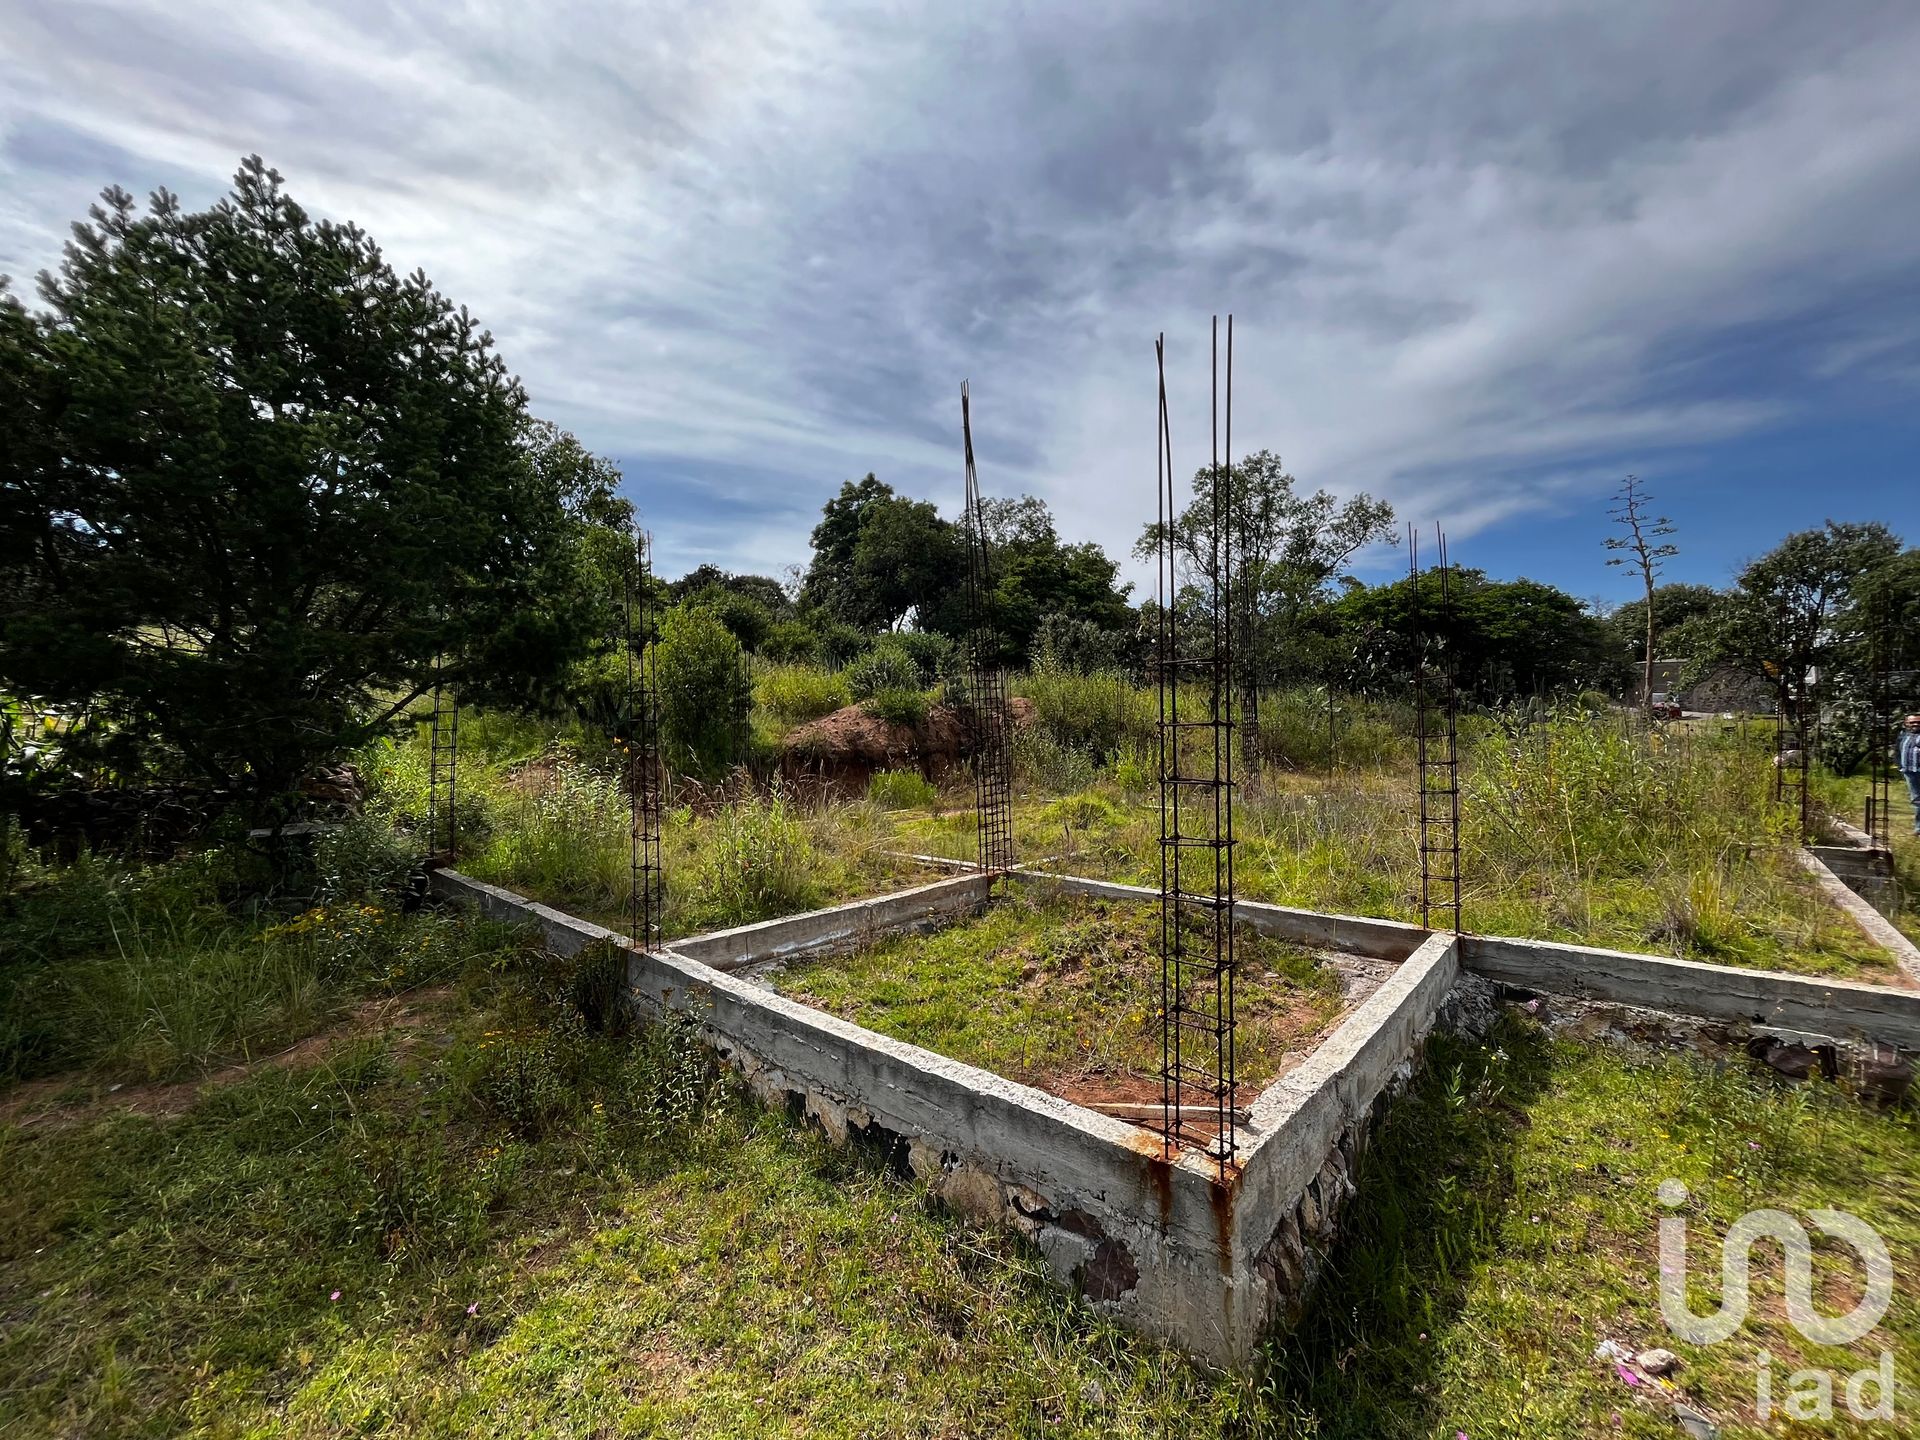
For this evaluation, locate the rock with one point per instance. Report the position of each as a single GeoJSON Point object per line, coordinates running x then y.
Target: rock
{"type": "Point", "coordinates": [1885, 1078]}
{"type": "Point", "coordinates": [973, 1193]}
{"type": "Point", "coordinates": [1698, 1426]}
{"type": "Point", "coordinates": [829, 1115]}
{"type": "Point", "coordinates": [1111, 1272]}
{"type": "Point", "coordinates": [1066, 1253]}
{"type": "Point", "coordinates": [1657, 1362]}
{"type": "Point", "coordinates": [1792, 1059]}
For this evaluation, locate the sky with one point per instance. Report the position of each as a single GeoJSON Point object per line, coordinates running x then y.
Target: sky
{"type": "Point", "coordinates": [1484, 258]}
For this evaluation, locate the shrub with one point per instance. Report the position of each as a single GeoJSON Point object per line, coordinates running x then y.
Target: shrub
{"type": "Point", "coordinates": [902, 790]}
{"type": "Point", "coordinates": [884, 667]}
{"type": "Point", "coordinates": [789, 642]}
{"type": "Point", "coordinates": [898, 705]}
{"type": "Point", "coordinates": [1074, 644]}
{"type": "Point", "coordinates": [1096, 714]}
{"type": "Point", "coordinates": [795, 694]}
{"type": "Point", "coordinates": [838, 643]}
{"type": "Point", "coordinates": [703, 692]}
{"type": "Point", "coordinates": [934, 657]}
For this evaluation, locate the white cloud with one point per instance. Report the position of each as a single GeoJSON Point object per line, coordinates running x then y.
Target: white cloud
{"type": "Point", "coordinates": [753, 248]}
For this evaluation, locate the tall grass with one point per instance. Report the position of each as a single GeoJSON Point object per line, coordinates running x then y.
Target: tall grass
{"type": "Point", "coordinates": [791, 695]}
{"type": "Point", "coordinates": [143, 974]}
{"type": "Point", "coordinates": [1094, 714]}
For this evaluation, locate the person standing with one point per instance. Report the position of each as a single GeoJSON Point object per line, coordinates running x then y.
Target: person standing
{"type": "Point", "coordinates": [1908, 755]}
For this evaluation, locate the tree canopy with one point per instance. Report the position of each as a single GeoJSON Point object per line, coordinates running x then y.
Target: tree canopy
{"type": "Point", "coordinates": [259, 485]}
{"type": "Point", "coordinates": [1795, 610]}
{"type": "Point", "coordinates": [1289, 548]}
{"type": "Point", "coordinates": [1508, 638]}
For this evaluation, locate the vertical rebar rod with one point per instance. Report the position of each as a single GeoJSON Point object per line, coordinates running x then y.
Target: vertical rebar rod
{"type": "Point", "coordinates": [1879, 815]}
{"type": "Point", "coordinates": [992, 738]}
{"type": "Point", "coordinates": [1198, 1040]}
{"type": "Point", "coordinates": [646, 901]}
{"type": "Point", "coordinates": [1436, 743]}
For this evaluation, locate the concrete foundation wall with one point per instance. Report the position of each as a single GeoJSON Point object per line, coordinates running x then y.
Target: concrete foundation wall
{"type": "Point", "coordinates": [1312, 1124]}
{"type": "Point", "coordinates": [1356, 934]}
{"type": "Point", "coordinates": [1142, 1237]}
{"type": "Point", "coordinates": [1167, 1246]}
{"type": "Point", "coordinates": [839, 927]}
{"type": "Point", "coordinates": [1840, 1010]}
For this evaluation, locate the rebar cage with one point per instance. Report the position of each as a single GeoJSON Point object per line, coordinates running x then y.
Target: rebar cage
{"type": "Point", "coordinates": [1793, 753]}
{"type": "Point", "coordinates": [986, 682]}
{"type": "Point", "coordinates": [646, 898]}
{"type": "Point", "coordinates": [1437, 742]}
{"type": "Point", "coordinates": [443, 769]}
{"type": "Point", "coordinates": [1196, 755]}
{"type": "Point", "coordinates": [1882, 737]}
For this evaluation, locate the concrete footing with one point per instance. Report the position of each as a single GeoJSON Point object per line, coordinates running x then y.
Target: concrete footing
{"type": "Point", "coordinates": [1163, 1242]}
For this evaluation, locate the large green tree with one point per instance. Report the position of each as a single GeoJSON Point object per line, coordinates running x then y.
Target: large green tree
{"type": "Point", "coordinates": [1288, 550]}
{"type": "Point", "coordinates": [259, 485]}
{"type": "Point", "coordinates": [1507, 638]}
{"type": "Point", "coordinates": [1795, 611]}
{"type": "Point", "coordinates": [878, 555]}
{"type": "Point", "coordinates": [1034, 576]}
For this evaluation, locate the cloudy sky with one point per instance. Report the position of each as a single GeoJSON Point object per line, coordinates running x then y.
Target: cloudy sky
{"type": "Point", "coordinates": [1484, 256]}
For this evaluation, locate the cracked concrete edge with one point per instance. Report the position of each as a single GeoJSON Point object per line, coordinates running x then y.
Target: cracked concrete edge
{"type": "Point", "coordinates": [1877, 928]}
{"type": "Point", "coordinates": [1301, 1116]}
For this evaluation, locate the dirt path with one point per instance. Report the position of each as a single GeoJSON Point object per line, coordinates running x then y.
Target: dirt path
{"type": "Point", "coordinates": [59, 1101]}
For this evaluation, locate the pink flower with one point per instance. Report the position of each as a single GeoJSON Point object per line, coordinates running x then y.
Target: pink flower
{"type": "Point", "coordinates": [334, 1296]}
{"type": "Point", "coordinates": [1753, 1144]}
{"type": "Point", "coordinates": [474, 1308]}
{"type": "Point", "coordinates": [1626, 1374]}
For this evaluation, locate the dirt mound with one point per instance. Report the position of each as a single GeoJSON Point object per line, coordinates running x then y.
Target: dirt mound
{"type": "Point", "coordinates": [851, 743]}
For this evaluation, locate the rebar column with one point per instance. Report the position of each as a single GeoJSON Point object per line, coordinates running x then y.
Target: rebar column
{"type": "Point", "coordinates": [1436, 735]}
{"type": "Point", "coordinates": [646, 895]}
{"type": "Point", "coordinates": [1791, 753]}
{"type": "Point", "coordinates": [986, 683]}
{"type": "Point", "coordinates": [1196, 755]}
{"type": "Point", "coordinates": [443, 770]}
{"type": "Point", "coordinates": [1882, 733]}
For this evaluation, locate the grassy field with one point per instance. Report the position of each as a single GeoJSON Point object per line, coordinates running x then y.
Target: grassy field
{"type": "Point", "coordinates": [312, 1161]}
{"type": "Point", "coordinates": [500, 1223]}
{"type": "Point", "coordinates": [1570, 831]}
{"type": "Point", "coordinates": [1574, 828]}
{"type": "Point", "coordinates": [1064, 994]}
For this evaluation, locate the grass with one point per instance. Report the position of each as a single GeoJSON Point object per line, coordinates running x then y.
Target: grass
{"type": "Point", "coordinates": [1063, 993]}
{"type": "Point", "coordinates": [143, 975]}
{"type": "Point", "coordinates": [516, 1228]}
{"type": "Point", "coordinates": [531, 1229]}
{"type": "Point", "coordinates": [1507, 1224]}
{"type": "Point", "coordinates": [554, 825]}
{"type": "Point", "coordinates": [1570, 831]}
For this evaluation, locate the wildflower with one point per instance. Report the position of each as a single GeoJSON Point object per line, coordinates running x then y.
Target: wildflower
{"type": "Point", "coordinates": [474, 1308]}
{"type": "Point", "coordinates": [334, 1296]}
